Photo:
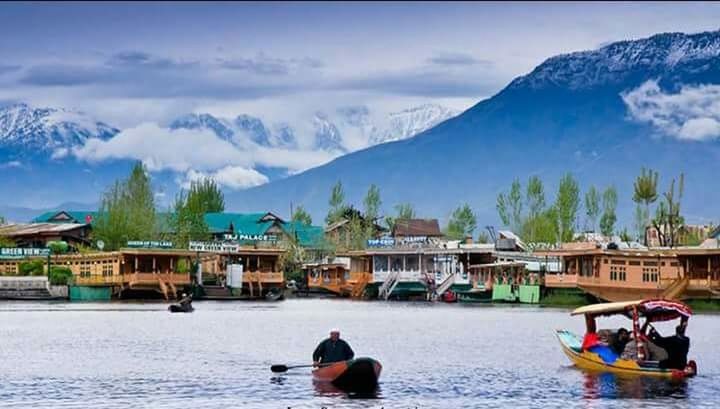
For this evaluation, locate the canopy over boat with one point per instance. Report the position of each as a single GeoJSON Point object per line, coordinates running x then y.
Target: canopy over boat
{"type": "Point", "coordinates": [653, 310]}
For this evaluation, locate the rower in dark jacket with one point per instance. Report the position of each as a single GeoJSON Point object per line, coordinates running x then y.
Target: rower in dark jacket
{"type": "Point", "coordinates": [332, 349]}
{"type": "Point", "coordinates": [676, 346]}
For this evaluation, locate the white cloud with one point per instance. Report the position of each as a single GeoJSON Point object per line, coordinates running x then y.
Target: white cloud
{"type": "Point", "coordinates": [691, 114]}
{"type": "Point", "coordinates": [60, 153]}
{"type": "Point", "coordinates": [11, 164]}
{"type": "Point", "coordinates": [197, 153]}
{"type": "Point", "coordinates": [233, 177]}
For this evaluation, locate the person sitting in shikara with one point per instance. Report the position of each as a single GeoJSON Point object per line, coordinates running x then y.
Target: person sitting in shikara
{"type": "Point", "coordinates": [676, 346]}
{"type": "Point", "coordinates": [619, 340]}
{"type": "Point", "coordinates": [332, 349]}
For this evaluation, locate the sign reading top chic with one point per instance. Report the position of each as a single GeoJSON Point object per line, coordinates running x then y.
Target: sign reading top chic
{"type": "Point", "coordinates": [250, 237]}
{"type": "Point", "coordinates": [14, 252]}
{"type": "Point", "coordinates": [390, 241]}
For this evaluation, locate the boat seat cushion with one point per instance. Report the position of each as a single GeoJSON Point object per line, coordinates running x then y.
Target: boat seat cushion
{"type": "Point", "coordinates": [605, 352]}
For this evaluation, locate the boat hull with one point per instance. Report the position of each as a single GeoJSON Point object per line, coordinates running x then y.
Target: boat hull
{"type": "Point", "coordinates": [590, 361]}
{"type": "Point", "coordinates": [179, 308]}
{"type": "Point", "coordinates": [355, 375]}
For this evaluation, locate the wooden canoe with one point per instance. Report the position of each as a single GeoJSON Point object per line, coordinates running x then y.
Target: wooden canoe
{"type": "Point", "coordinates": [355, 375]}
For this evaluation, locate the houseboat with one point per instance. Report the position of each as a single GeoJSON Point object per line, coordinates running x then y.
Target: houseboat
{"type": "Point", "coordinates": [345, 276]}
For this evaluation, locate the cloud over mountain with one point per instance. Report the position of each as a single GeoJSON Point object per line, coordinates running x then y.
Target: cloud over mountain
{"type": "Point", "coordinates": [692, 113]}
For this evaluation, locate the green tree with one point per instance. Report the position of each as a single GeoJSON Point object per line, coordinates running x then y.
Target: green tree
{"type": "Point", "coordinates": [483, 237]}
{"type": "Point", "coordinates": [403, 211]}
{"type": "Point", "coordinates": [609, 218]}
{"type": "Point", "coordinates": [645, 193]}
{"type": "Point", "coordinates": [188, 219]}
{"type": "Point", "coordinates": [509, 207]}
{"type": "Point", "coordinates": [372, 203]}
{"type": "Point", "coordinates": [592, 207]}
{"type": "Point", "coordinates": [300, 215]}
{"type": "Point", "coordinates": [668, 220]}
{"type": "Point", "coordinates": [2, 220]}
{"type": "Point", "coordinates": [640, 223]}
{"type": "Point", "coordinates": [535, 199]}
{"type": "Point", "coordinates": [337, 204]}
{"type": "Point", "coordinates": [566, 206]}
{"type": "Point", "coordinates": [463, 223]}
{"type": "Point", "coordinates": [127, 211]}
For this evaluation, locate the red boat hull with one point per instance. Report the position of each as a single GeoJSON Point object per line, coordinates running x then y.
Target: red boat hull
{"type": "Point", "coordinates": [355, 375]}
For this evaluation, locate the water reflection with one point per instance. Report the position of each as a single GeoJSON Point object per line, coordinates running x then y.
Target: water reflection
{"type": "Point", "coordinates": [329, 390]}
{"type": "Point", "coordinates": [612, 386]}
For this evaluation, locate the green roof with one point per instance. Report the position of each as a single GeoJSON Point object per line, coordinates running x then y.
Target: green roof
{"type": "Point", "coordinates": [76, 216]}
{"type": "Point", "coordinates": [242, 223]}
{"type": "Point", "coordinates": [245, 223]}
{"type": "Point", "coordinates": [307, 236]}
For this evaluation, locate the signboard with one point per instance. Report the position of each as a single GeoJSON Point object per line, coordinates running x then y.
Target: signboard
{"type": "Point", "coordinates": [390, 241]}
{"type": "Point", "coordinates": [381, 242]}
{"type": "Point", "coordinates": [16, 252]}
{"type": "Point", "coordinates": [214, 247]}
{"type": "Point", "coordinates": [234, 275]}
{"type": "Point", "coordinates": [250, 237]}
{"type": "Point", "coordinates": [145, 244]}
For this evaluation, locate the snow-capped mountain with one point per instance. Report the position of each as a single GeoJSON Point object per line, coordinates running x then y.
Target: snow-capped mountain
{"type": "Point", "coordinates": [600, 114]}
{"type": "Point", "coordinates": [23, 127]}
{"type": "Point", "coordinates": [327, 129]}
{"type": "Point", "coordinates": [409, 122]}
{"type": "Point", "coordinates": [661, 54]}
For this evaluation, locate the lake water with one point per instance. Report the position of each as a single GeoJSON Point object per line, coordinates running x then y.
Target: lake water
{"type": "Point", "coordinates": [434, 356]}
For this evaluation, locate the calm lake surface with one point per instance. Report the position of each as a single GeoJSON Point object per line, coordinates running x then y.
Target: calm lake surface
{"type": "Point", "coordinates": [117, 355]}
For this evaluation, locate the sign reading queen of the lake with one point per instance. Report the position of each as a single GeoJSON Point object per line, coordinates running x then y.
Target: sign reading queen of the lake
{"type": "Point", "coordinates": [16, 252]}
{"type": "Point", "coordinates": [149, 244]}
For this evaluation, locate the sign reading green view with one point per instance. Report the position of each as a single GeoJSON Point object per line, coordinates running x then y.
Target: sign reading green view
{"type": "Point", "coordinates": [145, 244]}
{"type": "Point", "coordinates": [15, 252]}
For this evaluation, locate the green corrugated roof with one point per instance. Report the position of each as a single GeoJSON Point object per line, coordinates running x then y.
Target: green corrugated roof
{"type": "Point", "coordinates": [307, 236]}
{"type": "Point", "coordinates": [78, 216]}
{"type": "Point", "coordinates": [245, 223]}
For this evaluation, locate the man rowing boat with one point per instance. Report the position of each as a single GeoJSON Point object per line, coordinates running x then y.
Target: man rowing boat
{"type": "Point", "coordinates": [332, 349]}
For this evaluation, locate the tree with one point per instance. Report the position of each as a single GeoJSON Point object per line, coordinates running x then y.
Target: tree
{"type": "Point", "coordinates": [592, 207]}
{"type": "Point", "coordinates": [372, 203]}
{"type": "Point", "coordinates": [188, 219]}
{"type": "Point", "coordinates": [640, 224]}
{"type": "Point", "coordinates": [668, 220]}
{"type": "Point", "coordinates": [462, 223]}
{"type": "Point", "coordinates": [300, 215]}
{"type": "Point", "coordinates": [509, 207]}
{"type": "Point", "coordinates": [483, 237]}
{"type": "Point", "coordinates": [609, 218]}
{"type": "Point", "coordinates": [337, 204]}
{"type": "Point", "coordinates": [645, 193]}
{"type": "Point", "coordinates": [403, 211]}
{"type": "Point", "coordinates": [2, 220]}
{"type": "Point", "coordinates": [566, 206]}
{"type": "Point", "coordinates": [535, 198]}
{"type": "Point", "coordinates": [205, 194]}
{"type": "Point", "coordinates": [127, 211]}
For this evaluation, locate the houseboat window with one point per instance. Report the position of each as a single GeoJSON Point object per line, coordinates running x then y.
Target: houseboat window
{"type": "Point", "coordinates": [396, 263]}
{"type": "Point", "coordinates": [412, 263]}
{"type": "Point", "coordinates": [634, 262]}
{"type": "Point", "coordinates": [651, 263]}
{"type": "Point", "coordinates": [662, 263]}
{"type": "Point", "coordinates": [674, 264]}
{"type": "Point", "coordinates": [605, 261]}
{"type": "Point", "coordinates": [267, 264]}
{"type": "Point", "coordinates": [618, 262]}
{"type": "Point", "coordinates": [380, 263]}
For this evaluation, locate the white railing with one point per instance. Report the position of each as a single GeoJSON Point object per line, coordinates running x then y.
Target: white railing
{"type": "Point", "coordinates": [446, 284]}
{"type": "Point", "coordinates": [389, 283]}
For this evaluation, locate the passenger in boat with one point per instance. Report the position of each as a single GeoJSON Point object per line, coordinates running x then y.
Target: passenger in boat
{"type": "Point", "coordinates": [332, 349]}
{"type": "Point", "coordinates": [676, 346]}
{"type": "Point", "coordinates": [185, 301]}
{"type": "Point", "coordinates": [619, 340]}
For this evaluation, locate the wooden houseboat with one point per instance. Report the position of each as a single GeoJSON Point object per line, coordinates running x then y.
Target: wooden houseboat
{"type": "Point", "coordinates": [345, 276]}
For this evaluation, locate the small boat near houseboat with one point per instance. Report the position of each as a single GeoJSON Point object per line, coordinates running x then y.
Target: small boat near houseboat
{"type": "Point", "coordinates": [586, 353]}
{"type": "Point", "coordinates": [358, 375]}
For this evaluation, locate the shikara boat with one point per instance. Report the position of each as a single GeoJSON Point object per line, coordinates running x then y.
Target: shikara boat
{"type": "Point", "coordinates": [355, 375]}
{"type": "Point", "coordinates": [592, 359]}
{"type": "Point", "coordinates": [181, 308]}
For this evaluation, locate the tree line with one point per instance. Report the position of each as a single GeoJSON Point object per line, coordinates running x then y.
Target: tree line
{"type": "Point", "coordinates": [528, 213]}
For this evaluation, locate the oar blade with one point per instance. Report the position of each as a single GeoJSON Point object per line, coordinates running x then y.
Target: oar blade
{"type": "Point", "coordinates": [279, 368]}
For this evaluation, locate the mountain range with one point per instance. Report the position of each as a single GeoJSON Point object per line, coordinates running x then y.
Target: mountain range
{"type": "Point", "coordinates": [37, 147]}
{"type": "Point", "coordinates": [600, 114]}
